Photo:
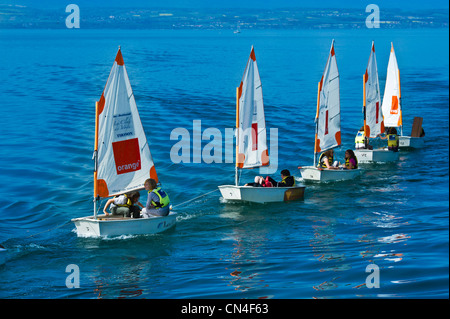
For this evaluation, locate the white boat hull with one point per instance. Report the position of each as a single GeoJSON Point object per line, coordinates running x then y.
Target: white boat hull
{"type": "Point", "coordinates": [311, 173]}
{"type": "Point", "coordinates": [261, 194]}
{"type": "Point", "coordinates": [382, 155]}
{"type": "Point", "coordinates": [411, 142]}
{"type": "Point", "coordinates": [116, 226]}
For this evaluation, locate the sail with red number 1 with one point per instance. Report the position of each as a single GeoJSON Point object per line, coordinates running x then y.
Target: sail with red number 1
{"type": "Point", "coordinates": [328, 126]}
{"type": "Point", "coordinates": [251, 142]}
{"type": "Point", "coordinates": [328, 116]}
{"type": "Point", "coordinates": [373, 120]}
{"type": "Point", "coordinates": [250, 120]}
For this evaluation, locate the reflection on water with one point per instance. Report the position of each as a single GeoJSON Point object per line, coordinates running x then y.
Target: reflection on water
{"type": "Point", "coordinates": [246, 261]}
{"type": "Point", "coordinates": [132, 267]}
{"type": "Point", "coordinates": [323, 246]}
{"type": "Point", "coordinates": [121, 281]}
{"type": "Point", "coordinates": [328, 246]}
{"type": "Point", "coordinates": [246, 272]}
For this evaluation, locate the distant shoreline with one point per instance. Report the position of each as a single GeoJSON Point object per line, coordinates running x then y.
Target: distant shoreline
{"type": "Point", "coordinates": [22, 17]}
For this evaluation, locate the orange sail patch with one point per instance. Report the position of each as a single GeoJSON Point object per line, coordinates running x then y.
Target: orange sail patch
{"type": "Point", "coordinates": [101, 104]}
{"type": "Point", "coordinates": [317, 146]}
{"type": "Point", "coordinates": [119, 58]}
{"type": "Point", "coordinates": [102, 188]}
{"type": "Point", "coordinates": [240, 160]}
{"type": "Point", "coordinates": [400, 120]}
{"type": "Point", "coordinates": [153, 173]}
{"type": "Point", "coordinates": [367, 130]}
{"type": "Point", "coordinates": [338, 137]}
{"type": "Point", "coordinates": [252, 55]}
{"type": "Point", "coordinates": [394, 105]}
{"type": "Point", "coordinates": [265, 158]}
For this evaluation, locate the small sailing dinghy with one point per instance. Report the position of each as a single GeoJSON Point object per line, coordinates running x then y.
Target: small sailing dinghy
{"type": "Point", "coordinates": [392, 109]}
{"type": "Point", "coordinates": [122, 160]}
{"type": "Point", "coordinates": [251, 142]}
{"type": "Point", "coordinates": [328, 125]}
{"type": "Point", "coordinates": [373, 115]}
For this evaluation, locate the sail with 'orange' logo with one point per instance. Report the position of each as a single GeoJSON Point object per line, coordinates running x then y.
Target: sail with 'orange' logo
{"type": "Point", "coordinates": [123, 158]}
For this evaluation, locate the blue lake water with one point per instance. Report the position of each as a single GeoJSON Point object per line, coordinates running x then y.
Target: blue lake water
{"type": "Point", "coordinates": [395, 216]}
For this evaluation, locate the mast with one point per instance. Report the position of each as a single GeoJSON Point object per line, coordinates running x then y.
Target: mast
{"type": "Point", "coordinates": [399, 102]}
{"type": "Point", "coordinates": [95, 158]}
{"type": "Point", "coordinates": [365, 76]}
{"type": "Point", "coordinates": [236, 176]}
{"type": "Point", "coordinates": [319, 86]}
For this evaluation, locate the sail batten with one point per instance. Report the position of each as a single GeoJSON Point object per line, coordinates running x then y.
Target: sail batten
{"type": "Point", "coordinates": [124, 160]}
{"type": "Point", "coordinates": [251, 151]}
{"type": "Point", "coordinates": [328, 125]}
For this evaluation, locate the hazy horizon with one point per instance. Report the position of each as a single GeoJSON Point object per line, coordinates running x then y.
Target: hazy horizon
{"type": "Point", "coordinates": [266, 4]}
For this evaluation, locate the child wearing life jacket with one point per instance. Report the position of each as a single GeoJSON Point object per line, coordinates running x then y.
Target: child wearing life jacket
{"type": "Point", "coordinates": [392, 138]}
{"type": "Point", "coordinates": [158, 202]}
{"type": "Point", "coordinates": [326, 160]}
{"type": "Point", "coordinates": [361, 140]}
{"type": "Point", "coordinates": [124, 205]}
{"type": "Point", "coordinates": [351, 162]}
{"type": "Point", "coordinates": [286, 179]}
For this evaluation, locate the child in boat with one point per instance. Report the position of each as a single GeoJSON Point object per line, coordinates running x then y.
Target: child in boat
{"type": "Point", "coordinates": [392, 138]}
{"type": "Point", "coordinates": [286, 179]}
{"type": "Point", "coordinates": [124, 205]}
{"type": "Point", "coordinates": [351, 162]}
{"type": "Point", "coordinates": [260, 182]}
{"type": "Point", "coordinates": [361, 140]}
{"type": "Point", "coordinates": [326, 160]}
{"type": "Point", "coordinates": [158, 202]}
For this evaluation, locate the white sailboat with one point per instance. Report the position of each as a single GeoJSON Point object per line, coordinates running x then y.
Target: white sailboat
{"type": "Point", "coordinates": [251, 142]}
{"type": "Point", "coordinates": [392, 109]}
{"type": "Point", "coordinates": [122, 159]}
{"type": "Point", "coordinates": [328, 125]}
{"type": "Point", "coordinates": [238, 28]}
{"type": "Point", "coordinates": [373, 115]}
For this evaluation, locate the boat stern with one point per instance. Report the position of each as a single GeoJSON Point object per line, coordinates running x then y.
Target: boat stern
{"type": "Point", "coordinates": [116, 226]}
{"type": "Point", "coordinates": [230, 192]}
{"type": "Point", "coordinates": [261, 194]}
{"type": "Point", "coordinates": [310, 173]}
{"type": "Point", "coordinates": [87, 226]}
{"type": "Point", "coordinates": [411, 142]}
{"type": "Point", "coordinates": [382, 155]}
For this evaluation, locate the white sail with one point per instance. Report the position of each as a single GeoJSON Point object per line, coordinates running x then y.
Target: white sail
{"type": "Point", "coordinates": [124, 161]}
{"type": "Point", "coordinates": [328, 117]}
{"type": "Point", "coordinates": [392, 111]}
{"type": "Point", "coordinates": [251, 126]}
{"type": "Point", "coordinates": [373, 114]}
